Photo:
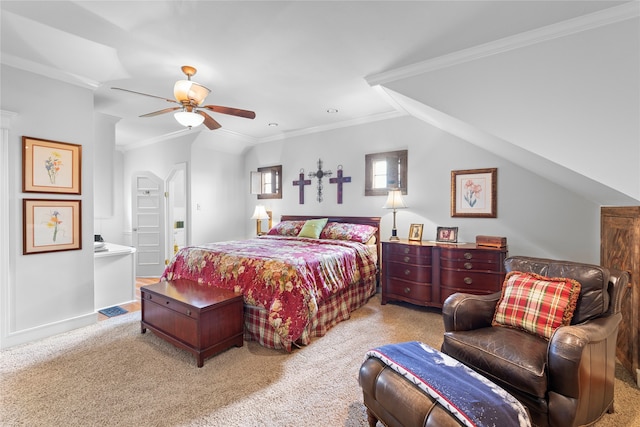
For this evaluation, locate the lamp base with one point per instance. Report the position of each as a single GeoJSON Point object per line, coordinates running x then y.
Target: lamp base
{"type": "Point", "coordinates": [394, 235]}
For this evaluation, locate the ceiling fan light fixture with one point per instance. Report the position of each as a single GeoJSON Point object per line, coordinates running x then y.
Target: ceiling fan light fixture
{"type": "Point", "coordinates": [189, 119]}
{"type": "Point", "coordinates": [186, 90]}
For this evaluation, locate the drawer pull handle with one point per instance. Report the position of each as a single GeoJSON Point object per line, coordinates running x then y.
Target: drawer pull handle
{"type": "Point", "coordinates": [468, 255]}
{"type": "Point", "coordinates": [407, 272]}
{"type": "Point", "coordinates": [406, 250]}
{"type": "Point", "coordinates": [407, 290]}
{"type": "Point", "coordinates": [468, 280]}
{"type": "Point", "coordinates": [168, 302]}
{"type": "Point", "coordinates": [188, 312]}
{"type": "Point", "coordinates": [468, 265]}
{"type": "Point", "coordinates": [406, 259]}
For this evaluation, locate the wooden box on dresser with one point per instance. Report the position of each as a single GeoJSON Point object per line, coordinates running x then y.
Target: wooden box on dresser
{"type": "Point", "coordinates": [620, 249]}
{"type": "Point", "coordinates": [426, 273]}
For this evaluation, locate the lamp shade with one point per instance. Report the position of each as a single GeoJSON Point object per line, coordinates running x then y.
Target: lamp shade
{"type": "Point", "coordinates": [395, 200]}
{"type": "Point", "coordinates": [186, 90]}
{"type": "Point", "coordinates": [188, 119]}
{"type": "Point", "coordinates": [260, 213]}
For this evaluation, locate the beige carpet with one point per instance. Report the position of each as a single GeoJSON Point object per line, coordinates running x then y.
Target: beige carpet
{"type": "Point", "coordinates": [111, 375]}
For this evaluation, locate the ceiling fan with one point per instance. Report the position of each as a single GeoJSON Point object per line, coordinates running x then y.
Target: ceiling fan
{"type": "Point", "coordinates": [190, 96]}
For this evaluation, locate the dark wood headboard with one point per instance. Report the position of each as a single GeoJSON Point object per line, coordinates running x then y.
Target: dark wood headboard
{"type": "Point", "coordinates": [368, 220]}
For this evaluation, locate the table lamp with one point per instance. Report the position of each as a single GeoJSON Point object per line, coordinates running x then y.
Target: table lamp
{"type": "Point", "coordinates": [395, 202]}
{"type": "Point", "coordinates": [259, 214]}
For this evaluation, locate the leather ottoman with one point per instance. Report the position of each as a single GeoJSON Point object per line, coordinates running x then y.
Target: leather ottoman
{"type": "Point", "coordinates": [396, 393]}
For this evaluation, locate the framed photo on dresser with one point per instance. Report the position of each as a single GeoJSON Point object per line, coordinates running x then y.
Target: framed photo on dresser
{"type": "Point", "coordinates": [415, 232]}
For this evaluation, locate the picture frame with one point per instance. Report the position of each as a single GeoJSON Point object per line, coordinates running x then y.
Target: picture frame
{"type": "Point", "coordinates": [415, 232]}
{"type": "Point", "coordinates": [474, 193]}
{"type": "Point", "coordinates": [51, 166]}
{"type": "Point", "coordinates": [447, 234]}
{"type": "Point", "coordinates": [51, 225]}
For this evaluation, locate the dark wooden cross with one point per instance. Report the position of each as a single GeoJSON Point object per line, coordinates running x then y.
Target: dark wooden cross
{"type": "Point", "coordinates": [339, 180]}
{"type": "Point", "coordinates": [302, 182]}
{"type": "Point", "coordinates": [319, 174]}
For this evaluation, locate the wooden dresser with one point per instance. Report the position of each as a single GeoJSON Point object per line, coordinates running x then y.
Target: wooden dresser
{"type": "Point", "coordinates": [620, 249]}
{"type": "Point", "coordinates": [407, 273]}
{"type": "Point", "coordinates": [426, 273]}
{"type": "Point", "coordinates": [471, 269]}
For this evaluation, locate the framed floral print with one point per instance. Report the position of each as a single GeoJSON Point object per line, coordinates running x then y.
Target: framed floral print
{"type": "Point", "coordinates": [50, 166]}
{"type": "Point", "coordinates": [51, 225]}
{"type": "Point", "coordinates": [474, 193]}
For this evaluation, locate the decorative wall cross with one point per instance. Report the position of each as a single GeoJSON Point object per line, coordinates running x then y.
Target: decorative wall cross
{"type": "Point", "coordinates": [319, 174]}
{"type": "Point", "coordinates": [339, 180]}
{"type": "Point", "coordinates": [302, 182]}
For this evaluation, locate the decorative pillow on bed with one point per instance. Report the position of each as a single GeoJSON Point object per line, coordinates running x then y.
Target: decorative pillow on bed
{"type": "Point", "coordinates": [286, 228]}
{"type": "Point", "coordinates": [535, 303]}
{"type": "Point", "coordinates": [313, 227]}
{"type": "Point", "coordinates": [342, 231]}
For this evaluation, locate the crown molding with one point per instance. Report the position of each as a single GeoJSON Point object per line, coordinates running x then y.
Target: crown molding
{"type": "Point", "coordinates": [50, 72]}
{"type": "Point", "coordinates": [344, 124]}
{"type": "Point", "coordinates": [561, 29]}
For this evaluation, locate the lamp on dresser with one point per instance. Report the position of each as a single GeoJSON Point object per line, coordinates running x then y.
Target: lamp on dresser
{"type": "Point", "coordinates": [259, 214]}
{"type": "Point", "coordinates": [395, 202]}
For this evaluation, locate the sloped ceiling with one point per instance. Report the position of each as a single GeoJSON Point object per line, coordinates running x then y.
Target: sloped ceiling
{"type": "Point", "coordinates": [289, 61]}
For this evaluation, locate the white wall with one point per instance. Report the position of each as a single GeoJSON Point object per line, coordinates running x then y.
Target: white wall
{"type": "Point", "coordinates": [574, 100]}
{"type": "Point", "coordinates": [48, 292]}
{"type": "Point", "coordinates": [538, 217]}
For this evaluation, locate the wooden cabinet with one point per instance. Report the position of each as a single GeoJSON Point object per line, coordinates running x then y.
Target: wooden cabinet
{"type": "Point", "coordinates": [471, 269]}
{"type": "Point", "coordinates": [620, 249]}
{"type": "Point", "coordinates": [201, 321]}
{"type": "Point", "coordinates": [426, 273]}
{"type": "Point", "coordinates": [407, 272]}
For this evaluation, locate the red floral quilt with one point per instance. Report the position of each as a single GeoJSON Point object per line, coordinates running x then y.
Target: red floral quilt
{"type": "Point", "coordinates": [288, 276]}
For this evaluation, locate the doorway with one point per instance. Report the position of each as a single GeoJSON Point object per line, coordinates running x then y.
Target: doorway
{"type": "Point", "coordinates": [159, 218]}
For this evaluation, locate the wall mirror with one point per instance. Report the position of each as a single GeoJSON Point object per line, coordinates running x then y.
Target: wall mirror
{"type": "Point", "coordinates": [266, 182]}
{"type": "Point", "coordinates": [384, 171]}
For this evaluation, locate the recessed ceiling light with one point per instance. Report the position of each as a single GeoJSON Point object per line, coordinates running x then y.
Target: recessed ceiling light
{"type": "Point", "coordinates": [332, 110]}
{"type": "Point", "coordinates": [272, 124]}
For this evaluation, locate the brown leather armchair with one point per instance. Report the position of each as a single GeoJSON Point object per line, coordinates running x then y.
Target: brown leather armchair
{"type": "Point", "coordinates": [565, 381]}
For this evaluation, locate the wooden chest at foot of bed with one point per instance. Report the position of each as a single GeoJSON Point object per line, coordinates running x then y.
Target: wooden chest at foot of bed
{"type": "Point", "coordinates": [200, 319]}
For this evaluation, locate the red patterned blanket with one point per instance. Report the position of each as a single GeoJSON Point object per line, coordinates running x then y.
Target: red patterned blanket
{"type": "Point", "coordinates": [288, 276]}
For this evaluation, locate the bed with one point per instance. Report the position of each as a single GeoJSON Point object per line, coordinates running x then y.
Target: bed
{"type": "Point", "coordinates": [294, 288]}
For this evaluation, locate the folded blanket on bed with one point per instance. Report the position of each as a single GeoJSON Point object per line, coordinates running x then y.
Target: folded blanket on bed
{"type": "Point", "coordinates": [470, 397]}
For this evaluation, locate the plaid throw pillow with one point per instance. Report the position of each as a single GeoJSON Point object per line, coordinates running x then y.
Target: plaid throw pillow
{"type": "Point", "coordinates": [535, 303]}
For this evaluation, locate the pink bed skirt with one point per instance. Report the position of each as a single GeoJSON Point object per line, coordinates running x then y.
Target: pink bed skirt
{"type": "Point", "coordinates": [331, 312]}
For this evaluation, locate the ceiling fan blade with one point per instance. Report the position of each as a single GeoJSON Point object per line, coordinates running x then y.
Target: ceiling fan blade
{"type": "Point", "coordinates": [209, 121]}
{"type": "Point", "coordinates": [146, 94]}
{"type": "Point", "coordinates": [231, 111]}
{"type": "Point", "coordinates": [157, 113]}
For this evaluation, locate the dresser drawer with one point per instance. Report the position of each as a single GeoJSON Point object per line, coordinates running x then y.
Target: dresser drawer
{"type": "Point", "coordinates": [475, 255]}
{"type": "Point", "coordinates": [408, 291]}
{"type": "Point", "coordinates": [410, 254]}
{"type": "Point", "coordinates": [412, 272]}
{"type": "Point", "coordinates": [471, 281]}
{"type": "Point", "coordinates": [472, 264]}
{"type": "Point", "coordinates": [171, 304]}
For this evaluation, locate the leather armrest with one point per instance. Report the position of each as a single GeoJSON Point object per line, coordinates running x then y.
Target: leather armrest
{"type": "Point", "coordinates": [566, 351]}
{"type": "Point", "coordinates": [465, 312]}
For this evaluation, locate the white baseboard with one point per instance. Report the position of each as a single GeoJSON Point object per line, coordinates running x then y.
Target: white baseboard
{"type": "Point", "coordinates": [48, 330]}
